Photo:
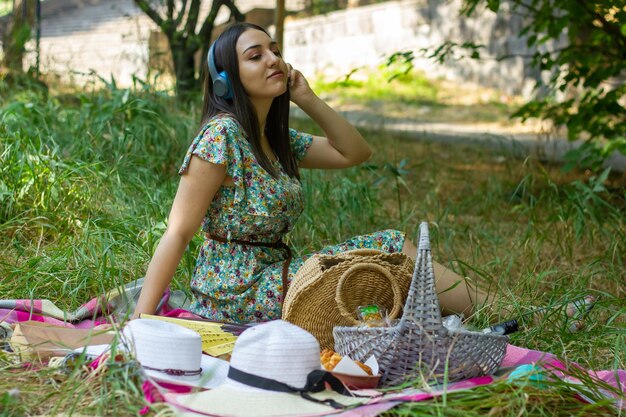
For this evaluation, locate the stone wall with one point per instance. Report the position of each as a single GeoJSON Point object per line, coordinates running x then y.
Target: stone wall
{"type": "Point", "coordinates": [335, 43]}
{"type": "Point", "coordinates": [111, 37]}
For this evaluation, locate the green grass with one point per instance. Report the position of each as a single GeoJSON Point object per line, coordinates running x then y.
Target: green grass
{"type": "Point", "coordinates": [401, 92]}
{"type": "Point", "coordinates": [384, 84]}
{"type": "Point", "coordinates": [87, 180]}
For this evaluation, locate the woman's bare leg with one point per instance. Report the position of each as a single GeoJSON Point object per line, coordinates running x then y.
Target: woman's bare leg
{"type": "Point", "coordinates": [456, 295]}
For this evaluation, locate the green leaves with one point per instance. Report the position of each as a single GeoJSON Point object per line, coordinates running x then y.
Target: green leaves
{"type": "Point", "coordinates": [400, 64]}
{"type": "Point", "coordinates": [454, 51]}
{"type": "Point", "coordinates": [470, 6]}
{"type": "Point", "coordinates": [581, 46]}
{"type": "Point", "coordinates": [493, 5]}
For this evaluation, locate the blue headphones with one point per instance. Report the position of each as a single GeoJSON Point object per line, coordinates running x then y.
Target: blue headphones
{"type": "Point", "coordinates": [221, 83]}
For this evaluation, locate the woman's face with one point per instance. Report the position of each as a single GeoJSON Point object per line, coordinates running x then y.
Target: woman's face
{"type": "Point", "coordinates": [262, 70]}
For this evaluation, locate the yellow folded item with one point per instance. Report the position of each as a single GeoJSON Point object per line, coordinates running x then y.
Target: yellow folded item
{"type": "Point", "coordinates": [215, 341]}
{"type": "Point", "coordinates": [35, 340]}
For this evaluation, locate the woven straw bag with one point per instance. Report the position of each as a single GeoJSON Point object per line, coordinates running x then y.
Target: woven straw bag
{"type": "Point", "coordinates": [327, 289]}
{"type": "Point", "coordinates": [419, 345]}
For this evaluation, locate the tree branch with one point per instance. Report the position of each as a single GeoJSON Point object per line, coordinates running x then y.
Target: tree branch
{"type": "Point", "coordinates": [192, 18]}
{"type": "Point", "coordinates": [234, 11]}
{"type": "Point", "coordinates": [207, 27]}
{"type": "Point", "coordinates": [527, 6]}
{"type": "Point", "coordinates": [179, 18]}
{"type": "Point", "coordinates": [209, 22]}
{"type": "Point", "coordinates": [577, 49]}
{"type": "Point", "coordinates": [170, 10]}
{"type": "Point", "coordinates": [152, 14]}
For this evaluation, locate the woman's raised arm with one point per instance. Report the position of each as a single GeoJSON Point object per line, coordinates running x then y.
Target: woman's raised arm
{"type": "Point", "coordinates": [343, 145]}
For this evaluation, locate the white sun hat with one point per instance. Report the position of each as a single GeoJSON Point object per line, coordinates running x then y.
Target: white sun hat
{"type": "Point", "coordinates": [274, 371]}
{"type": "Point", "coordinates": [172, 353]}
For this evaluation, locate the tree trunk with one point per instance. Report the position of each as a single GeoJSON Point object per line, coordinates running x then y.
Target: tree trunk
{"type": "Point", "coordinates": [17, 34]}
{"type": "Point", "coordinates": [279, 23]}
{"type": "Point", "coordinates": [179, 25]}
{"type": "Point", "coordinates": [184, 68]}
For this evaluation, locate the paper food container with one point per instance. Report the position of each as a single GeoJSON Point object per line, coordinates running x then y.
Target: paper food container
{"type": "Point", "coordinates": [353, 377]}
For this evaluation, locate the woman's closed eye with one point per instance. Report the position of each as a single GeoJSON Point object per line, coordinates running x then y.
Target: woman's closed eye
{"type": "Point", "coordinates": [257, 57]}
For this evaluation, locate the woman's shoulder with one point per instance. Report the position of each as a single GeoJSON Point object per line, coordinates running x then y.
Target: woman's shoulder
{"type": "Point", "coordinates": [224, 123]}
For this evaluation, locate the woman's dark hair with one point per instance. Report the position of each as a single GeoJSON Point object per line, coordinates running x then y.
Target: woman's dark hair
{"type": "Point", "coordinates": [240, 106]}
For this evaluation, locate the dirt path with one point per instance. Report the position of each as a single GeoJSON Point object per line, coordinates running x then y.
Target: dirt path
{"type": "Point", "coordinates": [520, 139]}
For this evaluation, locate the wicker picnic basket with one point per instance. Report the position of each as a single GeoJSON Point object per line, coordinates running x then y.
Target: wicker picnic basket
{"type": "Point", "coordinates": [327, 289]}
{"type": "Point", "coordinates": [419, 346]}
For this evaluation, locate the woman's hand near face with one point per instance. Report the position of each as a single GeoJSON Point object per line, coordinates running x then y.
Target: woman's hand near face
{"type": "Point", "coordinates": [299, 89]}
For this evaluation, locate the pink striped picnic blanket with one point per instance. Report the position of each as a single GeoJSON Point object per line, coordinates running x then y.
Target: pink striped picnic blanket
{"type": "Point", "coordinates": [608, 384]}
{"type": "Point", "coordinates": [115, 305]}
{"type": "Point", "coordinates": [119, 303]}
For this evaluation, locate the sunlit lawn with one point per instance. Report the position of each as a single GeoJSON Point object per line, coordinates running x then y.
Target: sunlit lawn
{"type": "Point", "coordinates": [87, 179]}
{"type": "Point", "coordinates": [399, 92]}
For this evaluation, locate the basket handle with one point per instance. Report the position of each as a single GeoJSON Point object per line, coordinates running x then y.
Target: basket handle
{"type": "Point", "coordinates": [355, 269]}
{"type": "Point", "coordinates": [422, 303]}
{"type": "Point", "coordinates": [362, 252]}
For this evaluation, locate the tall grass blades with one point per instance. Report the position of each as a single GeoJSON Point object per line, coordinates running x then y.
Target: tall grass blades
{"type": "Point", "coordinates": [83, 179]}
{"type": "Point", "coordinates": [87, 180]}
{"type": "Point", "coordinates": [338, 205]}
{"type": "Point", "coordinates": [38, 187]}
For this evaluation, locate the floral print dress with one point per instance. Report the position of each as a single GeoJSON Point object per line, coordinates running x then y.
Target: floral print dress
{"type": "Point", "coordinates": [240, 282]}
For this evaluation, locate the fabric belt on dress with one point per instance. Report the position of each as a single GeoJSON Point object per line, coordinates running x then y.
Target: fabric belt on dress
{"type": "Point", "coordinates": [279, 244]}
